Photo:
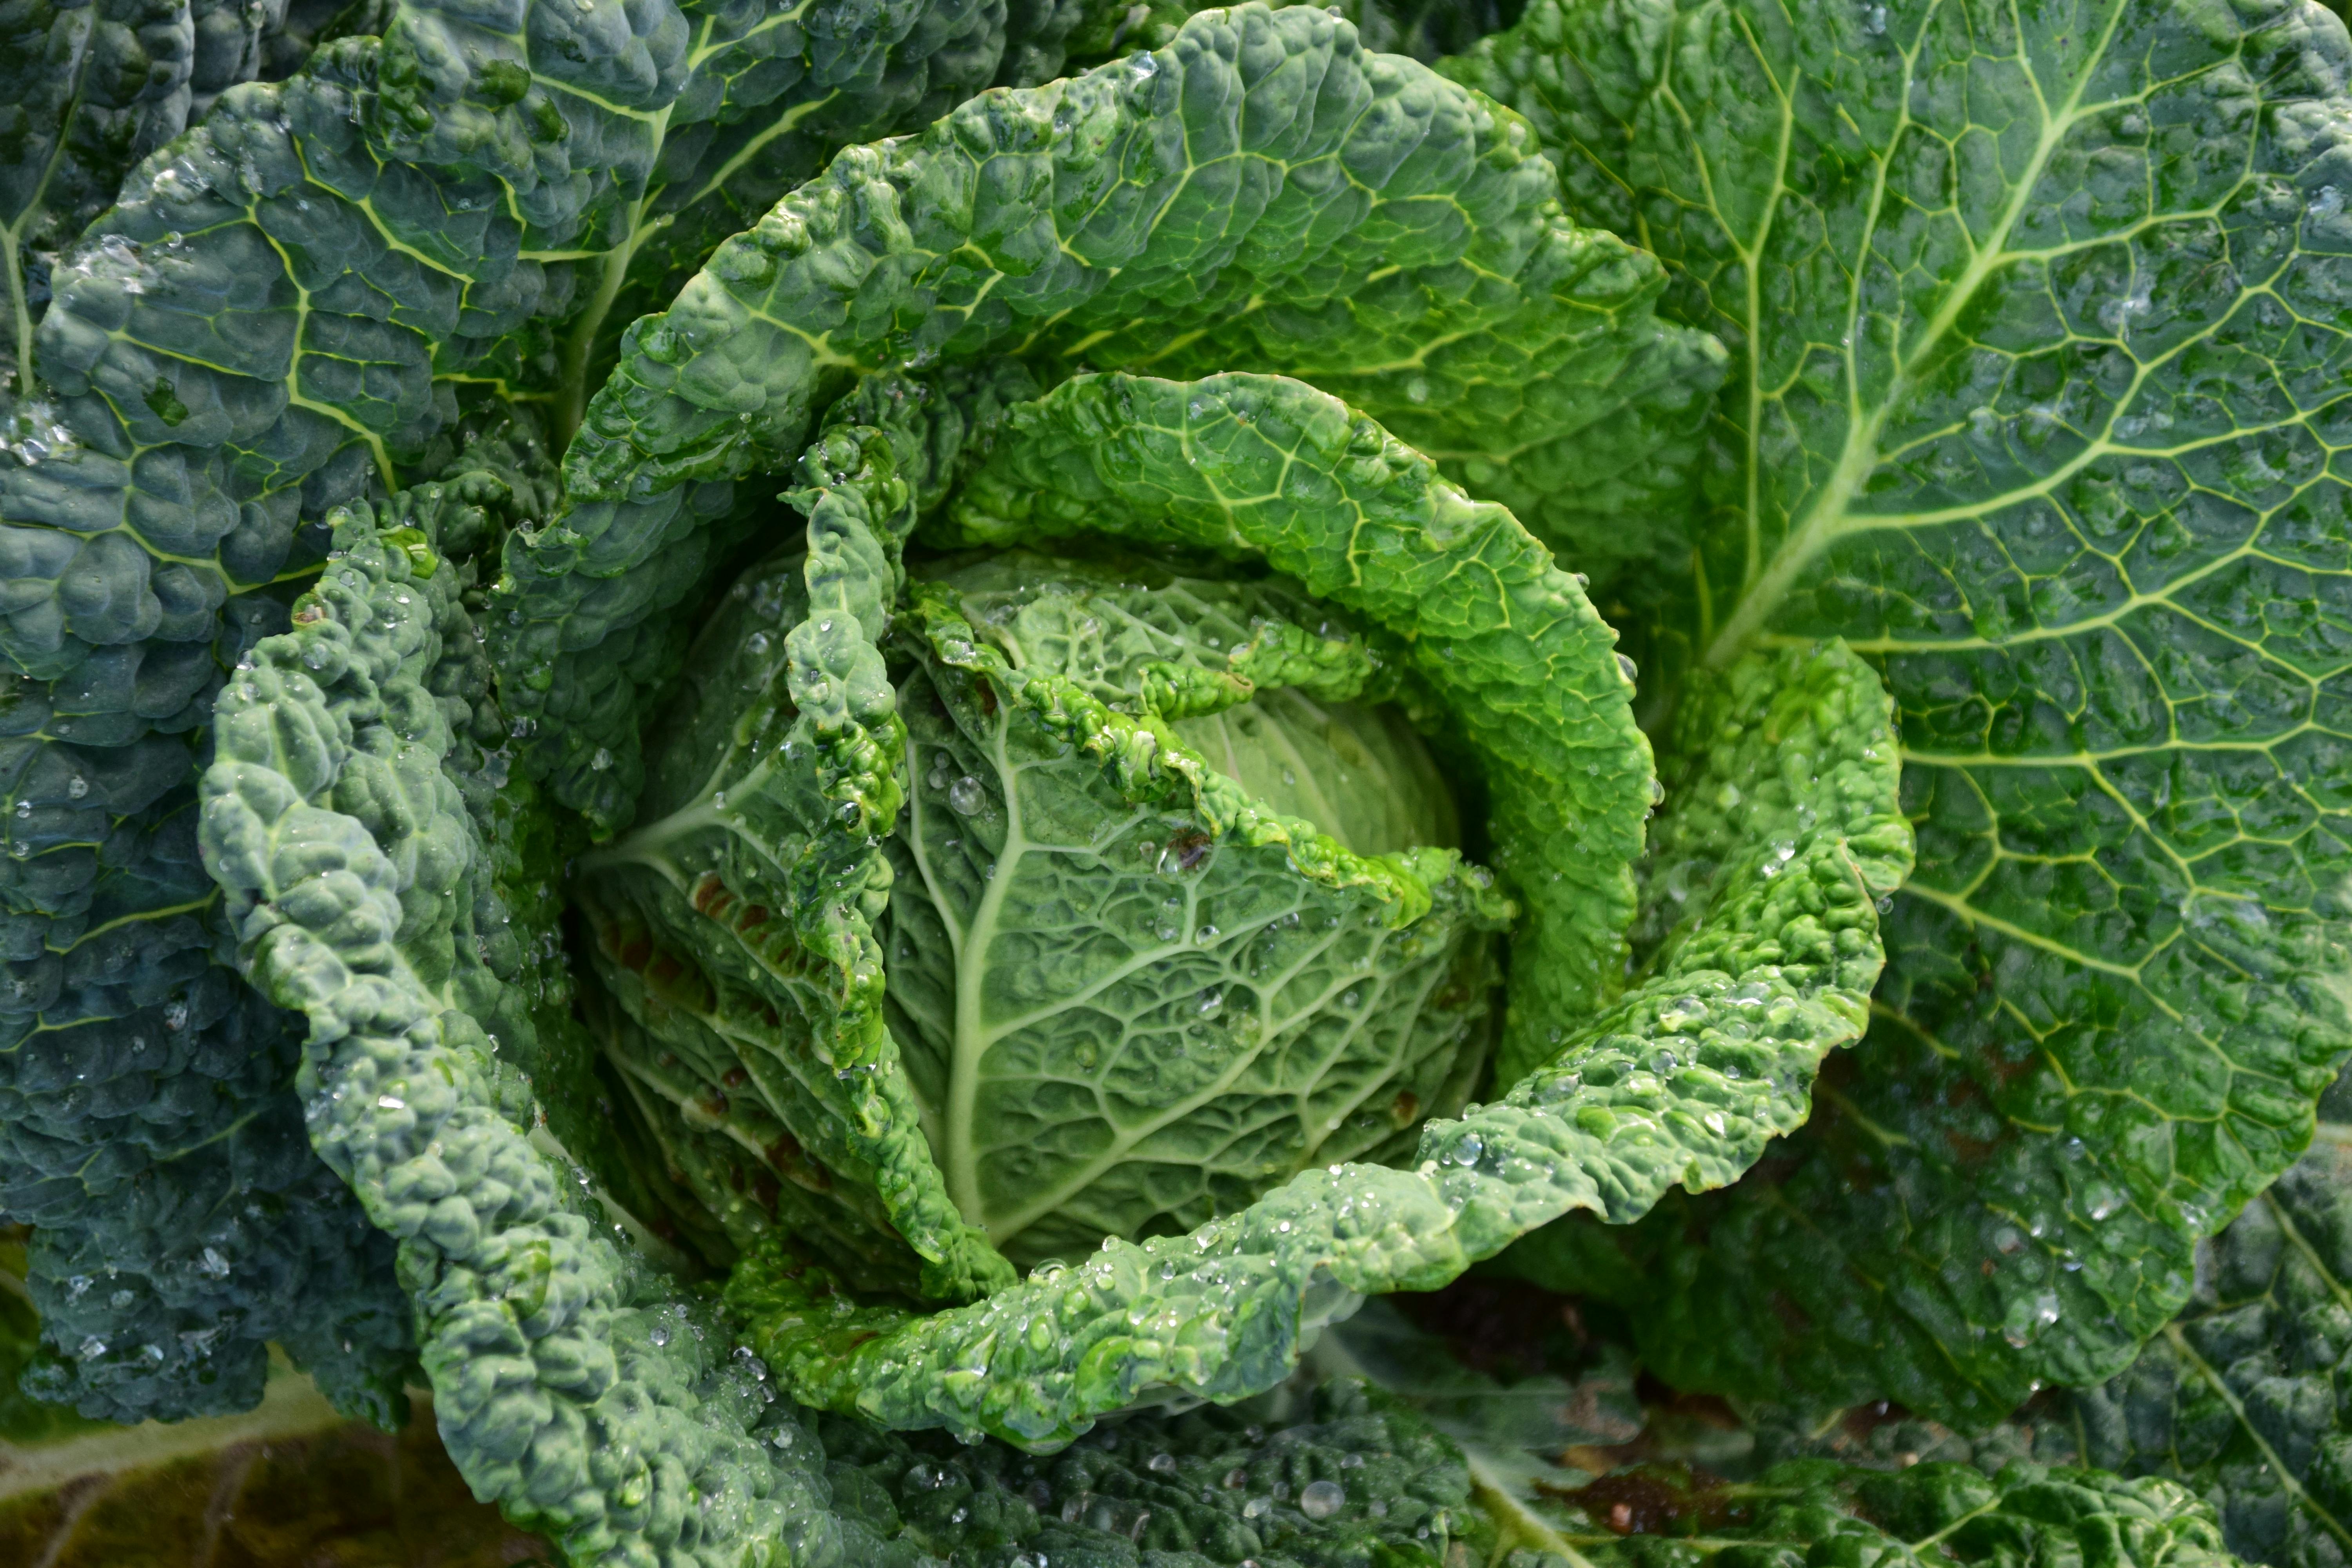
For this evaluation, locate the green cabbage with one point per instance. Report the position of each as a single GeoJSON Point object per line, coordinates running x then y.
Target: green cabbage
{"type": "Point", "coordinates": [1154, 835]}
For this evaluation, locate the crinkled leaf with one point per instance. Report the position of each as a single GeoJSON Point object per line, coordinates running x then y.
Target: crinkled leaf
{"type": "Point", "coordinates": [88, 91]}
{"type": "Point", "coordinates": [739, 926]}
{"type": "Point", "coordinates": [1424, 29]}
{"type": "Point", "coordinates": [1261, 195]}
{"type": "Point", "coordinates": [355, 872]}
{"type": "Point", "coordinates": [152, 1134]}
{"type": "Point", "coordinates": [1336, 1477]}
{"type": "Point", "coordinates": [2237, 1398]}
{"type": "Point", "coordinates": [1037, 879]}
{"type": "Point", "coordinates": [1139, 991]}
{"type": "Point", "coordinates": [2038, 337]}
{"type": "Point", "coordinates": [1682, 1080]}
{"type": "Point", "coordinates": [771, 93]}
{"type": "Point", "coordinates": [306, 301]}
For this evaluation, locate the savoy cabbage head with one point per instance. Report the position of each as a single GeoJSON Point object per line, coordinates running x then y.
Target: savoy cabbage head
{"type": "Point", "coordinates": [1028, 791]}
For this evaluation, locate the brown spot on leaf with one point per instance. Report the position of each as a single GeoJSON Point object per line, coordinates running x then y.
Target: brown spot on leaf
{"type": "Point", "coordinates": [1189, 848]}
{"type": "Point", "coordinates": [1658, 1500]}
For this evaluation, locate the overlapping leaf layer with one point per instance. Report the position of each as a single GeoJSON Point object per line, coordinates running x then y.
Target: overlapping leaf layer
{"type": "Point", "coordinates": [335, 284]}
{"type": "Point", "coordinates": [2036, 322]}
{"type": "Point", "coordinates": [1944, 393]}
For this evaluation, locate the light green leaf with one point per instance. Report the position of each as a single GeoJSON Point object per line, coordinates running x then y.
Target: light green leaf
{"type": "Point", "coordinates": [739, 927]}
{"type": "Point", "coordinates": [1682, 1080]}
{"type": "Point", "coordinates": [1109, 922]}
{"type": "Point", "coordinates": [2038, 335]}
{"type": "Point", "coordinates": [1243, 995]}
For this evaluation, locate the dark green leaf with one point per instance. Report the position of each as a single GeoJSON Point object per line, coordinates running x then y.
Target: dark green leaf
{"type": "Point", "coordinates": [2039, 341]}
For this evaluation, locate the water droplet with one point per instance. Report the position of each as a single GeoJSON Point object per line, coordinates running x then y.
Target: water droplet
{"type": "Point", "coordinates": [965, 796]}
{"type": "Point", "coordinates": [1258, 1508]}
{"type": "Point", "coordinates": [1321, 1499]}
{"type": "Point", "coordinates": [1163, 1463]}
{"type": "Point", "coordinates": [1469, 1149]}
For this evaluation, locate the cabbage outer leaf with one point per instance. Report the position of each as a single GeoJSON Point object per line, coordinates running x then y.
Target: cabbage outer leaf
{"type": "Point", "coordinates": [2238, 1397]}
{"type": "Point", "coordinates": [2037, 316]}
{"type": "Point", "coordinates": [573, 1387]}
{"type": "Point", "coordinates": [90, 90]}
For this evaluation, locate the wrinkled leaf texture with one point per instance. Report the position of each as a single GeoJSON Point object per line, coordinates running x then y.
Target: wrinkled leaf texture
{"type": "Point", "coordinates": [2038, 336]}
{"type": "Point", "coordinates": [330, 288]}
